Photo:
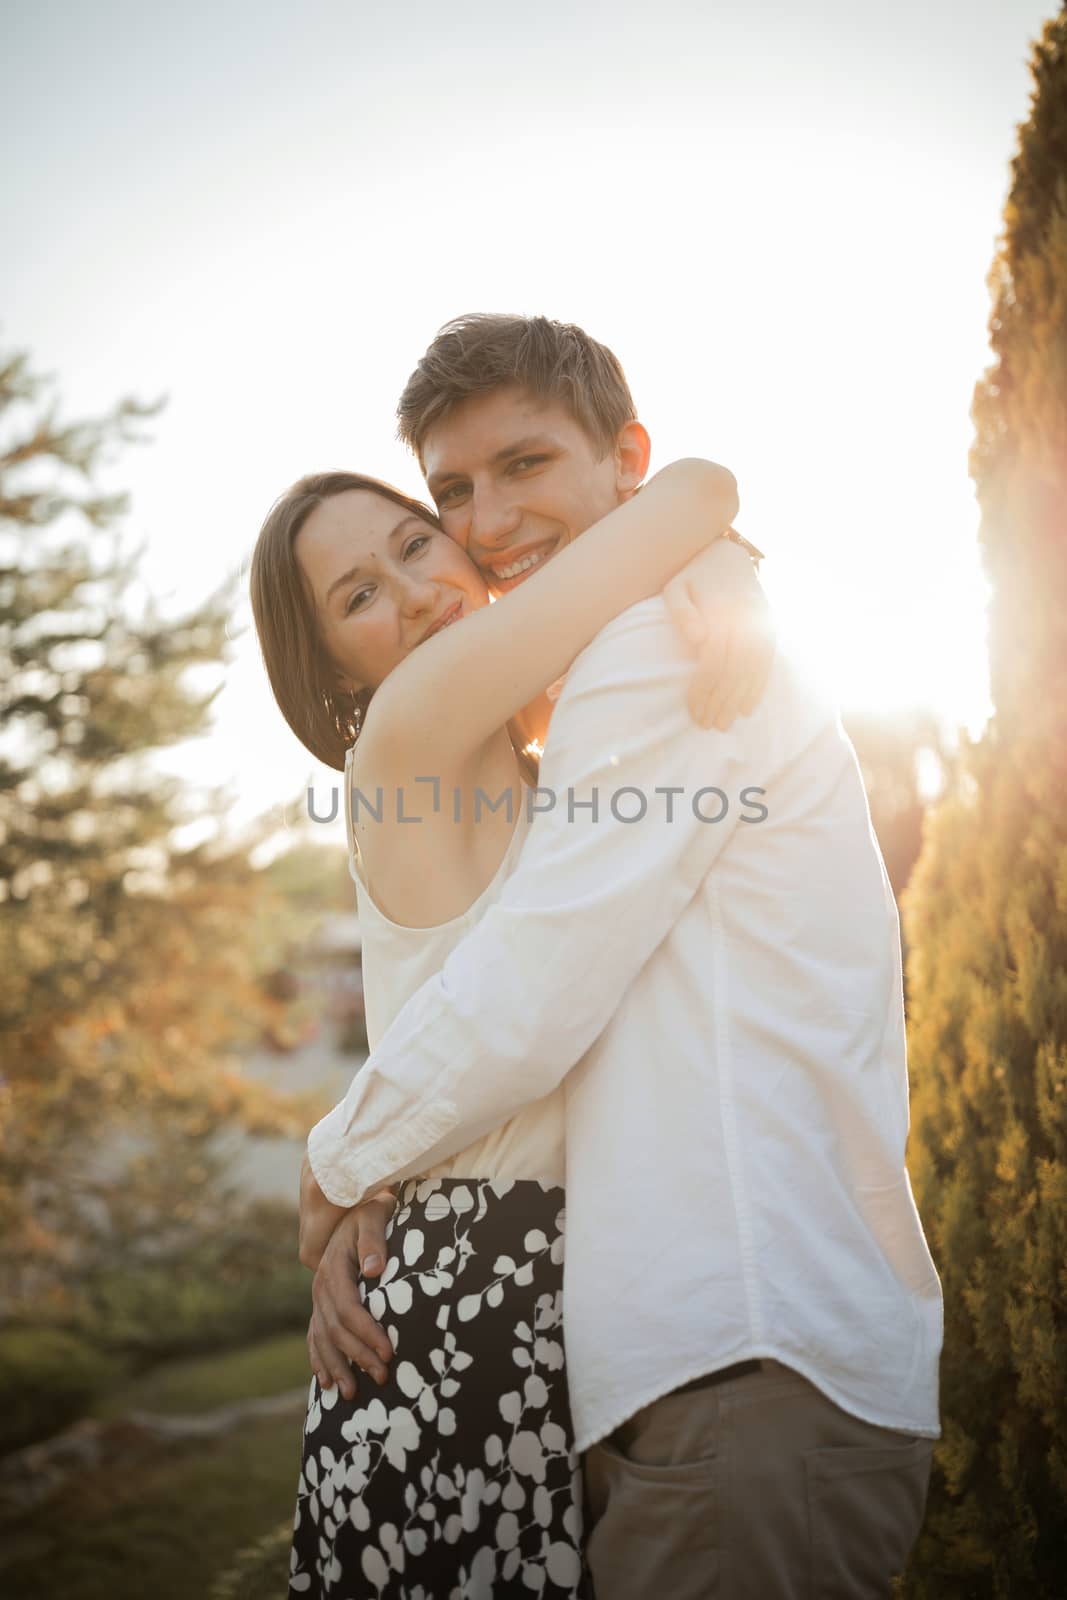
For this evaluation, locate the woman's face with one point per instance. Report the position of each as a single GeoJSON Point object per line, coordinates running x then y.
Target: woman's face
{"type": "Point", "coordinates": [382, 579]}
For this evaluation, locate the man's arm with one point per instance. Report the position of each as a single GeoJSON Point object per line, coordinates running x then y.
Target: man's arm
{"type": "Point", "coordinates": [528, 991]}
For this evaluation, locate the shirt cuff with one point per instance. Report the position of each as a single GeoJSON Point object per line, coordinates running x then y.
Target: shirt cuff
{"type": "Point", "coordinates": [348, 1175]}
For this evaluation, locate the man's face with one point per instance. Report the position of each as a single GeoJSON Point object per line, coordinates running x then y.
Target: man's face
{"type": "Point", "coordinates": [515, 479]}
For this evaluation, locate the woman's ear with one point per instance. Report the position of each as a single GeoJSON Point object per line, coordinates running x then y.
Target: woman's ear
{"type": "Point", "coordinates": [633, 447]}
{"type": "Point", "coordinates": [346, 685]}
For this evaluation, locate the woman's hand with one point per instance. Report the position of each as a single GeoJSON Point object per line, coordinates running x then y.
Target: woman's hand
{"type": "Point", "coordinates": [318, 1217]}
{"type": "Point", "coordinates": [341, 1331]}
{"type": "Point", "coordinates": [721, 612]}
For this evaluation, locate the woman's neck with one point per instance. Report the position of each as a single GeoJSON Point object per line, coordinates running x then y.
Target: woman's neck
{"type": "Point", "coordinates": [530, 725]}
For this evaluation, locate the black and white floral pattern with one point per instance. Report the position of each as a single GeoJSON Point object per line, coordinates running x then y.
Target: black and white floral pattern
{"type": "Point", "coordinates": [458, 1479]}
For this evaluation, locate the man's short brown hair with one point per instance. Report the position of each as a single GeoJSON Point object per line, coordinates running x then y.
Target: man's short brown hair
{"type": "Point", "coordinates": [553, 360]}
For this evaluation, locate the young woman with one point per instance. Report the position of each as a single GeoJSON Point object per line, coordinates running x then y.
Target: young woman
{"type": "Point", "coordinates": [458, 1477]}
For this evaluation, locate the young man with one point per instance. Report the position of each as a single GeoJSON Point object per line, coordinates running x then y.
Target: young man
{"type": "Point", "coordinates": [700, 936]}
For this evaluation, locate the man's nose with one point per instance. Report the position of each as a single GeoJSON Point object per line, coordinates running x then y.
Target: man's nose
{"type": "Point", "coordinates": [494, 517]}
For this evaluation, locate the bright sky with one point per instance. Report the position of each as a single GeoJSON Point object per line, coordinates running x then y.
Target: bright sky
{"type": "Point", "coordinates": [781, 218]}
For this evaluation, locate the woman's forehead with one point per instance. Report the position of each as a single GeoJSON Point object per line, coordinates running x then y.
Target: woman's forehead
{"type": "Point", "coordinates": [357, 525]}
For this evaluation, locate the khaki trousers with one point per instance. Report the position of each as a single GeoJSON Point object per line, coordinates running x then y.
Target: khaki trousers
{"type": "Point", "coordinates": [755, 1488]}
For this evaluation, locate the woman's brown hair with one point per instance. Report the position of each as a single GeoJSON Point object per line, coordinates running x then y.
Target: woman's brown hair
{"type": "Point", "coordinates": [325, 718]}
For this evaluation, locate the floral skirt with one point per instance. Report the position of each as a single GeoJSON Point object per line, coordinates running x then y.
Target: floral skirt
{"type": "Point", "coordinates": [458, 1479]}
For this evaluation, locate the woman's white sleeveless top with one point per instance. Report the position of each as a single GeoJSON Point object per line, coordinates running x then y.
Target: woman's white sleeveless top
{"type": "Point", "coordinates": [396, 963]}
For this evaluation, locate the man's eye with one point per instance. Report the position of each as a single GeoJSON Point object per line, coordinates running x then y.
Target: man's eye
{"type": "Point", "coordinates": [357, 599]}
{"type": "Point", "coordinates": [525, 462]}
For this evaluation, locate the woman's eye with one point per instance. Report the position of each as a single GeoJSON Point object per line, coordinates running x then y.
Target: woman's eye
{"type": "Point", "coordinates": [417, 544]}
{"type": "Point", "coordinates": [357, 599]}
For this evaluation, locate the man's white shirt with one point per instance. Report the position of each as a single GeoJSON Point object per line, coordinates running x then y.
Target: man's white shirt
{"type": "Point", "coordinates": [723, 977]}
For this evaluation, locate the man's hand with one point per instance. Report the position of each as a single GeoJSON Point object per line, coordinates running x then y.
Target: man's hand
{"type": "Point", "coordinates": [717, 605]}
{"type": "Point", "coordinates": [318, 1217]}
{"type": "Point", "coordinates": [341, 1330]}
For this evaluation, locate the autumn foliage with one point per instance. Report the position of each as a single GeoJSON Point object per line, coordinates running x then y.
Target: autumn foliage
{"type": "Point", "coordinates": [128, 964]}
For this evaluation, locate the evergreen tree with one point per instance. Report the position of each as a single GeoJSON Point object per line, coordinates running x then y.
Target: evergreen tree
{"type": "Point", "coordinates": [890, 750]}
{"type": "Point", "coordinates": [987, 919]}
{"type": "Point", "coordinates": [127, 972]}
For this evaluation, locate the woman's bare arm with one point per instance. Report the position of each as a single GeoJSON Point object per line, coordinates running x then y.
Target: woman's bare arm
{"type": "Point", "coordinates": [452, 694]}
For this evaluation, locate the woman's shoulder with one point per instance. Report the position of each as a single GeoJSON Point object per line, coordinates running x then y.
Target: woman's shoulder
{"type": "Point", "coordinates": [426, 851]}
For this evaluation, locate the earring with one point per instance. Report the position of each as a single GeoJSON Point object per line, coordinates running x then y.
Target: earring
{"type": "Point", "coordinates": [360, 701]}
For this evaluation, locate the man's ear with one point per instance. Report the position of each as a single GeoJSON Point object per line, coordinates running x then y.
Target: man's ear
{"type": "Point", "coordinates": [632, 450]}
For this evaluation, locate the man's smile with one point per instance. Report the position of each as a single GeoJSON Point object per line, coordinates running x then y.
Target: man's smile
{"type": "Point", "coordinates": [509, 571]}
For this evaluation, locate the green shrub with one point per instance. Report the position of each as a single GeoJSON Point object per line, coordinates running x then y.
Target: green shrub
{"type": "Point", "coordinates": [170, 1309]}
{"type": "Point", "coordinates": [48, 1378]}
{"type": "Point", "coordinates": [214, 1290]}
{"type": "Point", "coordinates": [234, 1283]}
{"type": "Point", "coordinates": [260, 1572]}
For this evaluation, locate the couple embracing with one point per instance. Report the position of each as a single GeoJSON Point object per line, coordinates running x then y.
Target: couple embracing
{"type": "Point", "coordinates": [626, 930]}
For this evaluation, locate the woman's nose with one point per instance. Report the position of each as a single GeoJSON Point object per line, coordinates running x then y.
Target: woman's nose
{"type": "Point", "coordinates": [417, 595]}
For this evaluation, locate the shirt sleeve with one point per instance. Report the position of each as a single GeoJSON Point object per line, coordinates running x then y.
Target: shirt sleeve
{"type": "Point", "coordinates": [634, 803]}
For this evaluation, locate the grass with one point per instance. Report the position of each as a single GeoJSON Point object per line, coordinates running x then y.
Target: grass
{"type": "Point", "coordinates": [169, 1524]}
{"type": "Point", "coordinates": [200, 1383]}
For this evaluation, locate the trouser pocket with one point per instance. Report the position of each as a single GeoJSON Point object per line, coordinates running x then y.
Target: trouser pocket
{"type": "Point", "coordinates": [866, 1505]}
{"type": "Point", "coordinates": [653, 1530]}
